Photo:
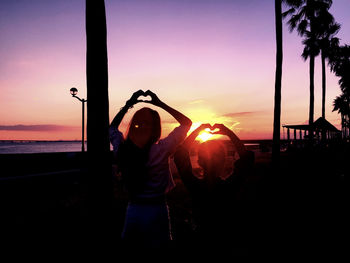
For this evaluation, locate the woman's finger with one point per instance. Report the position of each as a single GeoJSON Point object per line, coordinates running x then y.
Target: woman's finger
{"type": "Point", "coordinates": [217, 126]}
{"type": "Point", "coordinates": [217, 132]}
{"type": "Point", "coordinates": [148, 92]}
{"type": "Point", "coordinates": [140, 91]}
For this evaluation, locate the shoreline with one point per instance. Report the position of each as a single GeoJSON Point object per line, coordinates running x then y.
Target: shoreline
{"type": "Point", "coordinates": [29, 141]}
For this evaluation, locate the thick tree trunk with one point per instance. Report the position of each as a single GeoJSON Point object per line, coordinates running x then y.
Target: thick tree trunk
{"type": "Point", "coordinates": [98, 147]}
{"type": "Point", "coordinates": [278, 84]}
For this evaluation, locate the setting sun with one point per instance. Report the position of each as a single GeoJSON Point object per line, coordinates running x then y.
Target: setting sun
{"type": "Point", "coordinates": [204, 136]}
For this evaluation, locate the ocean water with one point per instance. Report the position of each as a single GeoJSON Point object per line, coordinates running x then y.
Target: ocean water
{"type": "Point", "coordinates": [13, 147]}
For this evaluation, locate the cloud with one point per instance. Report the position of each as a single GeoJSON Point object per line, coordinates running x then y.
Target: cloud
{"type": "Point", "coordinates": [240, 114]}
{"type": "Point", "coordinates": [45, 128]}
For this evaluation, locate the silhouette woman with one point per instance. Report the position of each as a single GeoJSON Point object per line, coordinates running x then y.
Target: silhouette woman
{"type": "Point", "coordinates": [212, 196]}
{"type": "Point", "coordinates": [143, 161]}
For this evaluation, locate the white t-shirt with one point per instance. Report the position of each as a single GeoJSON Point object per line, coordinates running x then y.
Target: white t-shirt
{"type": "Point", "coordinates": [161, 180]}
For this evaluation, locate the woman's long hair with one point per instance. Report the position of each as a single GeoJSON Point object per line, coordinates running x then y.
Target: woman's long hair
{"type": "Point", "coordinates": [132, 156]}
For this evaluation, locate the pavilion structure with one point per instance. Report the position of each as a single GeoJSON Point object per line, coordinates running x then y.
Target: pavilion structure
{"type": "Point", "coordinates": [321, 129]}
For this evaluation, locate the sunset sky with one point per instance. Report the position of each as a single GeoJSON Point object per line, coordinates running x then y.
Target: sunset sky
{"type": "Point", "coordinates": [212, 60]}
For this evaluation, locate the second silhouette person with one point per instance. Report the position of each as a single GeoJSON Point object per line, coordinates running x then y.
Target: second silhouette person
{"type": "Point", "coordinates": [213, 197]}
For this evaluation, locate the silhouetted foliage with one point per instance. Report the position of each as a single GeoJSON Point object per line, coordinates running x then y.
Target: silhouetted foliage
{"type": "Point", "coordinates": [327, 28]}
{"type": "Point", "coordinates": [311, 20]}
{"type": "Point", "coordinates": [339, 60]}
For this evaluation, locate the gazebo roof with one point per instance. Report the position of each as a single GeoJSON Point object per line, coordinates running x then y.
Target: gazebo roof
{"type": "Point", "coordinates": [319, 124]}
{"type": "Point", "coordinates": [323, 124]}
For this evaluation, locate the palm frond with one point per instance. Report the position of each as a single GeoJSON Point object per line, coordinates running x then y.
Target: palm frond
{"type": "Point", "coordinates": [288, 12]}
{"type": "Point", "coordinates": [293, 3]}
{"type": "Point", "coordinates": [306, 53]}
{"type": "Point", "coordinates": [302, 27]}
{"type": "Point", "coordinates": [334, 29]}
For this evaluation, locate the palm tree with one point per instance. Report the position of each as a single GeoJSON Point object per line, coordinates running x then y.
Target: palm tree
{"type": "Point", "coordinates": [339, 61]}
{"type": "Point", "coordinates": [341, 104]}
{"type": "Point", "coordinates": [326, 28]}
{"type": "Point", "coordinates": [304, 15]}
{"type": "Point", "coordinates": [278, 80]}
{"type": "Point", "coordinates": [99, 165]}
{"type": "Point", "coordinates": [278, 77]}
{"type": "Point", "coordinates": [340, 65]}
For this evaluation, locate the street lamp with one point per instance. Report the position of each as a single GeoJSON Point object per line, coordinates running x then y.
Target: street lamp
{"type": "Point", "coordinates": [74, 92]}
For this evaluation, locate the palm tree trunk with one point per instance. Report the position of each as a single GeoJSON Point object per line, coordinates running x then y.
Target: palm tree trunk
{"type": "Point", "coordinates": [312, 75]}
{"type": "Point", "coordinates": [278, 84]}
{"type": "Point", "coordinates": [98, 150]}
{"type": "Point", "coordinates": [312, 90]}
{"type": "Point", "coordinates": [323, 58]}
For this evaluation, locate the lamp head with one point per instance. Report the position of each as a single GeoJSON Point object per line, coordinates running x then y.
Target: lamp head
{"type": "Point", "coordinates": [73, 91]}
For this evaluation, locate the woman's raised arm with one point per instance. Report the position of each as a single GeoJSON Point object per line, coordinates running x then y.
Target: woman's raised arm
{"type": "Point", "coordinates": [190, 138]}
{"type": "Point", "coordinates": [182, 119]}
{"type": "Point", "coordinates": [129, 104]}
{"type": "Point", "coordinates": [223, 130]}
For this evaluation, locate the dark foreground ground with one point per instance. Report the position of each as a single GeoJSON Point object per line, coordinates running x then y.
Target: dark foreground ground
{"type": "Point", "coordinates": [302, 203]}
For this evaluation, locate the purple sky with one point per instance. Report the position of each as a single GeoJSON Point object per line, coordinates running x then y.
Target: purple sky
{"type": "Point", "coordinates": [213, 60]}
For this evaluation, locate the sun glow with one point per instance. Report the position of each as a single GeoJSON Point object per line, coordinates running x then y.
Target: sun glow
{"type": "Point", "coordinates": [204, 136]}
{"type": "Point", "coordinates": [200, 115]}
{"type": "Point", "coordinates": [194, 126]}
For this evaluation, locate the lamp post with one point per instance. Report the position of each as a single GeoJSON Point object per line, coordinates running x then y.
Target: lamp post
{"type": "Point", "coordinates": [74, 92]}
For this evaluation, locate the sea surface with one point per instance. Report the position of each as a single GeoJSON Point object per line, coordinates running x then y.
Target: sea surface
{"type": "Point", "coordinates": [14, 147]}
